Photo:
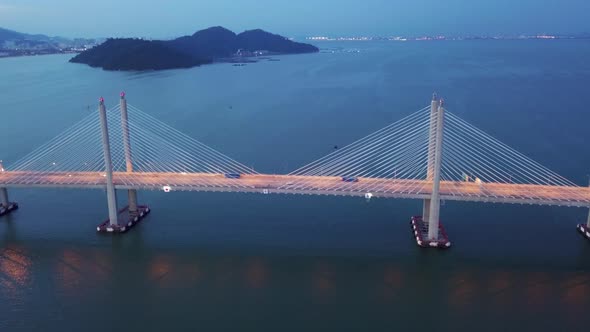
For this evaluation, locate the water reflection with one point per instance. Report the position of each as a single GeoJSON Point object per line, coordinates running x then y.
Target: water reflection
{"type": "Point", "coordinates": [323, 280]}
{"type": "Point", "coordinates": [15, 270]}
{"type": "Point", "coordinates": [576, 290]}
{"type": "Point", "coordinates": [77, 270]}
{"type": "Point", "coordinates": [69, 270]}
{"type": "Point", "coordinates": [462, 289]}
{"type": "Point", "coordinates": [256, 273]}
{"type": "Point", "coordinates": [159, 269]}
{"type": "Point", "coordinates": [392, 282]}
{"type": "Point", "coordinates": [537, 290]}
{"type": "Point", "coordinates": [499, 288]}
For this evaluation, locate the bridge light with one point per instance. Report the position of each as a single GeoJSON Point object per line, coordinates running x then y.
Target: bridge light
{"type": "Point", "coordinates": [166, 189]}
{"type": "Point", "coordinates": [368, 196]}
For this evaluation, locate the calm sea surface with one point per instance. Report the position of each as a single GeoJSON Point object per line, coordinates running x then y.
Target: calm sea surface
{"type": "Point", "coordinates": [245, 262]}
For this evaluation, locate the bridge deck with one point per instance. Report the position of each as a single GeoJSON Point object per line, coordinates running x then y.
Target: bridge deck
{"type": "Point", "coordinates": [314, 185]}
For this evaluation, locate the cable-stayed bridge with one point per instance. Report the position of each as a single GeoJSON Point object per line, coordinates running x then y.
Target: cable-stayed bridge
{"type": "Point", "coordinates": [431, 155]}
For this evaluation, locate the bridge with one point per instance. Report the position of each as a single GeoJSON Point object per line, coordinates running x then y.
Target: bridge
{"type": "Point", "coordinates": [430, 155]}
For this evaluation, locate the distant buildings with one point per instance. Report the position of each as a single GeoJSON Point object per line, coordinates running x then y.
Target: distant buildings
{"type": "Point", "coordinates": [441, 37]}
{"type": "Point", "coordinates": [245, 53]}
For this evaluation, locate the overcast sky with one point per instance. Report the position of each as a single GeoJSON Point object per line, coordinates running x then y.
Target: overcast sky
{"type": "Point", "coordinates": [162, 19]}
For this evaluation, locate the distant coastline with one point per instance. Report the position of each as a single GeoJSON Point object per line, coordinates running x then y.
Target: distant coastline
{"type": "Point", "coordinates": [542, 36]}
{"type": "Point", "coordinates": [16, 44]}
{"type": "Point", "coordinates": [13, 44]}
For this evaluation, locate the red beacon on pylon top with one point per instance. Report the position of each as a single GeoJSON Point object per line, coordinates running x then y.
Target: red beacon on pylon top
{"type": "Point", "coordinates": [122, 94]}
{"type": "Point", "coordinates": [101, 100]}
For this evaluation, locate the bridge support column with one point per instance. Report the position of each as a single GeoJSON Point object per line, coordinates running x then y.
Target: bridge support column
{"type": "Point", "coordinates": [5, 205]}
{"type": "Point", "coordinates": [434, 105]}
{"type": "Point", "coordinates": [426, 210]}
{"type": "Point", "coordinates": [132, 193]}
{"type": "Point", "coordinates": [585, 228]}
{"type": "Point", "coordinates": [4, 197]}
{"type": "Point", "coordinates": [111, 193]}
{"type": "Point", "coordinates": [427, 229]}
{"type": "Point", "coordinates": [433, 220]}
{"type": "Point", "coordinates": [133, 213]}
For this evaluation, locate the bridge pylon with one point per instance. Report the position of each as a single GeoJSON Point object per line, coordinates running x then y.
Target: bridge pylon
{"type": "Point", "coordinates": [437, 117]}
{"type": "Point", "coordinates": [132, 213]}
{"type": "Point", "coordinates": [585, 229]}
{"type": "Point", "coordinates": [110, 186]}
{"type": "Point", "coordinates": [427, 229]}
{"type": "Point", "coordinates": [435, 103]}
{"type": "Point", "coordinates": [5, 205]}
{"type": "Point", "coordinates": [131, 193]}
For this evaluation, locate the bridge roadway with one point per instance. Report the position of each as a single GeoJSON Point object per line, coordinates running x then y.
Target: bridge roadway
{"type": "Point", "coordinates": [313, 185]}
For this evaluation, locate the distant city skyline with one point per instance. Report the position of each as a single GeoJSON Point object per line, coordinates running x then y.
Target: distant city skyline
{"type": "Point", "coordinates": [154, 19]}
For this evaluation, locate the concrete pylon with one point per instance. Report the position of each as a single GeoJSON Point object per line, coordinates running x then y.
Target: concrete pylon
{"type": "Point", "coordinates": [433, 219]}
{"type": "Point", "coordinates": [431, 144]}
{"type": "Point", "coordinates": [3, 191]}
{"type": "Point", "coordinates": [111, 193]}
{"type": "Point", "coordinates": [588, 222]}
{"type": "Point", "coordinates": [131, 193]}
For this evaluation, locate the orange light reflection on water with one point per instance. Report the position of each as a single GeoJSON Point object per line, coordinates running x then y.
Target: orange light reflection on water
{"type": "Point", "coordinates": [15, 270]}
{"type": "Point", "coordinates": [256, 273]}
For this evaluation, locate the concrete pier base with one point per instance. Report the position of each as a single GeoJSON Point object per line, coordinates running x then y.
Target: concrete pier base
{"type": "Point", "coordinates": [420, 229]}
{"type": "Point", "coordinates": [11, 206]}
{"type": "Point", "coordinates": [131, 219]}
{"type": "Point", "coordinates": [584, 230]}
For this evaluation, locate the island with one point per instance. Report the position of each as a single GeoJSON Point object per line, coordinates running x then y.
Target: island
{"type": "Point", "coordinates": [215, 44]}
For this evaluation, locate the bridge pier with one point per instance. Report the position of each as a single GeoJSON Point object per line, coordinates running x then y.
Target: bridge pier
{"type": "Point", "coordinates": [427, 228]}
{"type": "Point", "coordinates": [110, 187]}
{"type": "Point", "coordinates": [131, 193]}
{"type": "Point", "coordinates": [426, 209]}
{"type": "Point", "coordinates": [5, 205]}
{"type": "Point", "coordinates": [133, 212]}
{"type": "Point", "coordinates": [585, 229]}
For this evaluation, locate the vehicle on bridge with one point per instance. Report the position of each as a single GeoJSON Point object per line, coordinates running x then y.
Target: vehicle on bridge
{"type": "Point", "coordinates": [350, 179]}
{"type": "Point", "coordinates": [233, 175]}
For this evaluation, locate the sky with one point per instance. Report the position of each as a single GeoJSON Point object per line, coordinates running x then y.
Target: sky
{"type": "Point", "coordinates": [167, 19]}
